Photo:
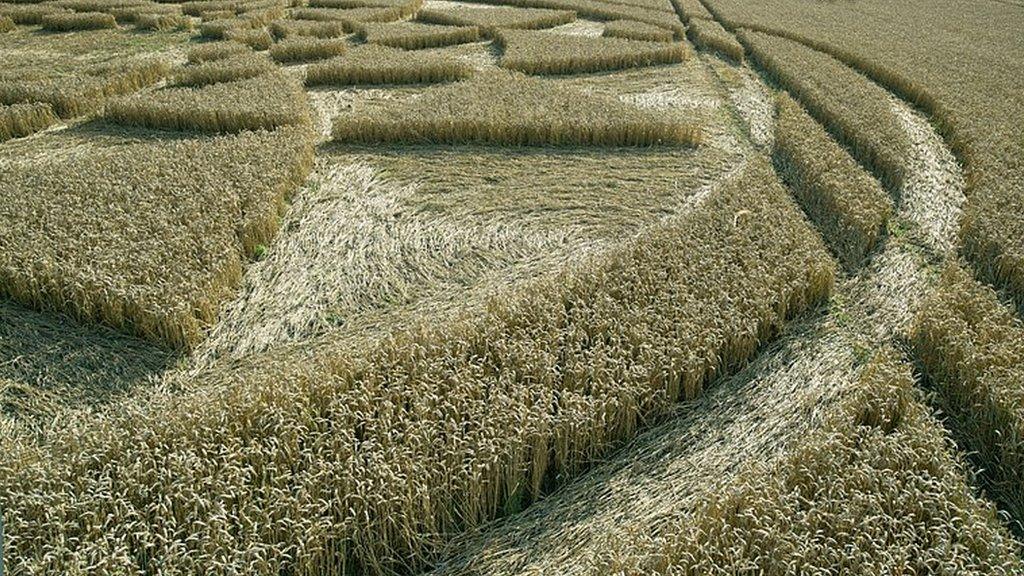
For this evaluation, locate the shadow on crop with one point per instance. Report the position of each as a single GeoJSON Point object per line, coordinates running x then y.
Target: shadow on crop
{"type": "Point", "coordinates": [50, 361]}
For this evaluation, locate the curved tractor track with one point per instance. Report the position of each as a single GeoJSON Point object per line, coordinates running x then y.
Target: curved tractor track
{"type": "Point", "coordinates": [756, 414]}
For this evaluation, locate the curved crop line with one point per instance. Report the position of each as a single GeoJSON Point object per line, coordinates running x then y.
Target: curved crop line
{"type": "Point", "coordinates": [660, 470]}
{"type": "Point", "coordinates": [901, 87]}
{"type": "Point", "coordinates": [968, 397]}
{"type": "Point", "coordinates": [993, 263]}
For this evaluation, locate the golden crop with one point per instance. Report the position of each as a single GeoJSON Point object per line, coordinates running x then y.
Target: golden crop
{"type": "Point", "coordinates": [290, 28]}
{"type": "Point", "coordinates": [971, 346]}
{"type": "Point", "coordinates": [394, 443]}
{"type": "Point", "coordinates": [969, 97]}
{"type": "Point", "coordinates": [687, 10]}
{"type": "Point", "coordinates": [129, 13]}
{"type": "Point", "coordinates": [211, 51]}
{"type": "Point", "coordinates": [58, 357]}
{"type": "Point", "coordinates": [256, 38]}
{"type": "Point", "coordinates": [416, 35]}
{"type": "Point", "coordinates": [69, 21]}
{"type": "Point", "coordinates": [97, 5]}
{"type": "Point", "coordinates": [875, 486]}
{"type": "Point", "coordinates": [31, 14]}
{"type": "Point", "coordinates": [304, 49]}
{"type": "Point", "coordinates": [350, 18]}
{"type": "Point", "coordinates": [489, 20]}
{"type": "Point", "coordinates": [393, 414]}
{"type": "Point", "coordinates": [542, 53]}
{"type": "Point", "coordinates": [709, 35]}
{"type": "Point", "coordinates": [217, 28]}
{"type": "Point", "coordinates": [655, 5]}
{"type": "Point", "coordinates": [23, 119]}
{"type": "Point", "coordinates": [374, 64]}
{"type": "Point", "coordinates": [209, 15]}
{"type": "Point", "coordinates": [250, 7]}
{"type": "Point", "coordinates": [602, 10]}
{"type": "Point", "coordinates": [71, 96]}
{"type": "Point", "coordinates": [265, 102]}
{"type": "Point", "coordinates": [200, 7]}
{"type": "Point", "coordinates": [511, 109]}
{"type": "Point", "coordinates": [171, 14]}
{"type": "Point", "coordinates": [971, 102]}
{"type": "Point", "coordinates": [258, 11]}
{"type": "Point", "coordinates": [855, 110]}
{"type": "Point", "coordinates": [846, 204]}
{"type": "Point", "coordinates": [991, 231]}
{"type": "Point", "coordinates": [633, 30]}
{"type": "Point", "coordinates": [148, 21]}
{"type": "Point", "coordinates": [407, 7]}
{"type": "Point", "coordinates": [260, 15]}
{"type": "Point", "coordinates": [224, 69]}
{"type": "Point", "coordinates": [185, 232]}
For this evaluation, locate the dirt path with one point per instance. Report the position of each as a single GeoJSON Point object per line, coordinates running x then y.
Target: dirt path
{"type": "Point", "coordinates": [755, 415]}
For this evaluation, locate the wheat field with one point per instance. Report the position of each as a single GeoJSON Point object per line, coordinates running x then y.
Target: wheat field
{"type": "Point", "coordinates": [511, 287]}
